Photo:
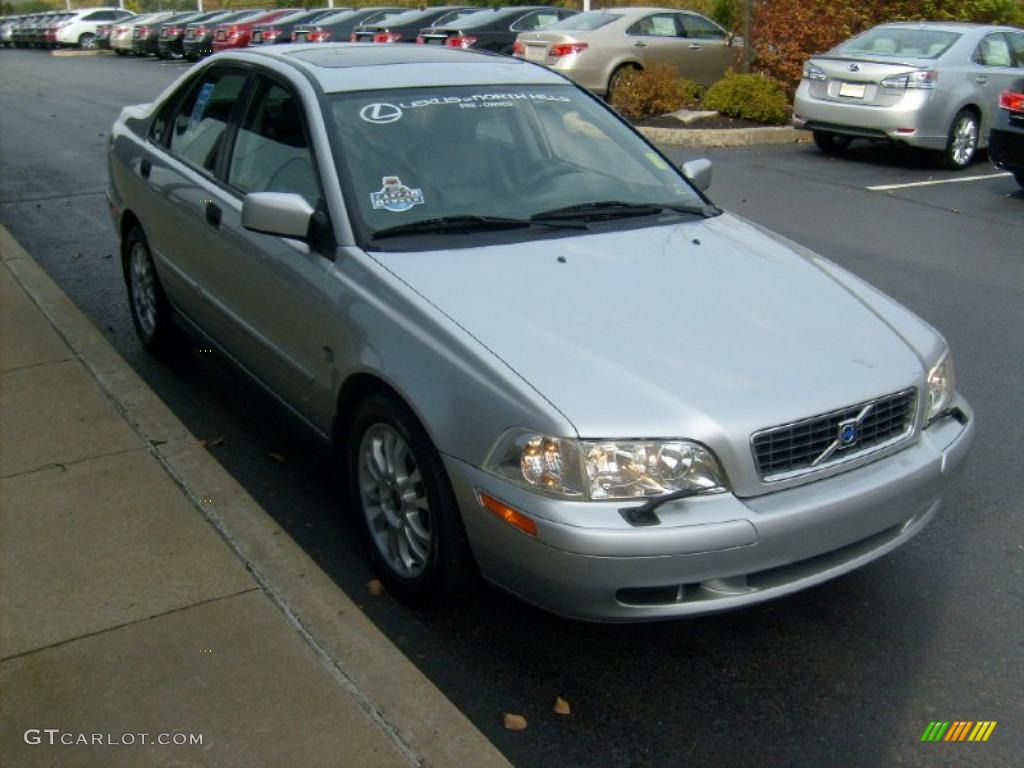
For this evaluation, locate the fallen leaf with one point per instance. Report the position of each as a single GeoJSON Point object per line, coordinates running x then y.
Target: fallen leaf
{"type": "Point", "coordinates": [562, 706]}
{"type": "Point", "coordinates": [374, 587]}
{"type": "Point", "coordinates": [514, 722]}
{"type": "Point", "coordinates": [202, 443]}
{"type": "Point", "coordinates": [277, 457]}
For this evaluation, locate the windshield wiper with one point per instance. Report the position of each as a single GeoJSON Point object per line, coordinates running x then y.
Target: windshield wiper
{"type": "Point", "coordinates": [614, 209]}
{"type": "Point", "coordinates": [466, 223]}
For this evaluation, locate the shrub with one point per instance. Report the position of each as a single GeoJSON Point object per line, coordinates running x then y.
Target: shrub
{"type": "Point", "coordinates": [751, 97]}
{"type": "Point", "coordinates": [727, 13]}
{"type": "Point", "coordinates": [654, 91]}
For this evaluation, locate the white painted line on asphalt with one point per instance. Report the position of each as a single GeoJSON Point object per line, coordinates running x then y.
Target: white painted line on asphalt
{"type": "Point", "coordinates": [887, 187]}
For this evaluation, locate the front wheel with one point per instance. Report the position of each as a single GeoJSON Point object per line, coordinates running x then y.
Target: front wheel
{"type": "Point", "coordinates": [962, 144]}
{"type": "Point", "coordinates": [831, 143]}
{"type": "Point", "coordinates": [87, 42]}
{"type": "Point", "coordinates": [405, 505]}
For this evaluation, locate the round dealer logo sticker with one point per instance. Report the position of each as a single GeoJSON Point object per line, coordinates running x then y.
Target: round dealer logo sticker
{"type": "Point", "coordinates": [380, 113]}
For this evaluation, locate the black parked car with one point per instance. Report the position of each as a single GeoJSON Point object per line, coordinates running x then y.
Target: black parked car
{"type": "Point", "coordinates": [404, 27]}
{"type": "Point", "coordinates": [198, 40]}
{"type": "Point", "coordinates": [280, 30]}
{"type": "Point", "coordinates": [172, 33]}
{"type": "Point", "coordinates": [146, 37]}
{"type": "Point", "coordinates": [338, 27]}
{"type": "Point", "coordinates": [1006, 141]}
{"type": "Point", "coordinates": [494, 29]}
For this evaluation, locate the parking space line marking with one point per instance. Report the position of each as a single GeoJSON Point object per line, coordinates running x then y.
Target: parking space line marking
{"type": "Point", "coordinates": [886, 187]}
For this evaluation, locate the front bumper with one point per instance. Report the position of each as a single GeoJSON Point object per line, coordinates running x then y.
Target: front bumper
{"type": "Point", "coordinates": [1006, 149]}
{"type": "Point", "coordinates": [918, 119]}
{"type": "Point", "coordinates": [709, 553]}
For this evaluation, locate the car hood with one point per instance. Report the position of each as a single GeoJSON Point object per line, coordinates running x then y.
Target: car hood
{"type": "Point", "coordinates": [710, 329]}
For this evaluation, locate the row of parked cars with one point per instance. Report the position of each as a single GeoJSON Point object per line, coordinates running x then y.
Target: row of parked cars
{"type": "Point", "coordinates": [593, 48]}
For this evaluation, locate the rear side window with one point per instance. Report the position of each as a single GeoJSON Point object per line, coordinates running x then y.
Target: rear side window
{"type": "Point", "coordinates": [656, 25]}
{"type": "Point", "coordinates": [201, 120]}
{"type": "Point", "coordinates": [271, 151]}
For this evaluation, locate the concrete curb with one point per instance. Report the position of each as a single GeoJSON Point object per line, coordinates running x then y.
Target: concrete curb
{"type": "Point", "coordinates": [76, 52]}
{"type": "Point", "coordinates": [422, 722]}
{"type": "Point", "coordinates": [724, 137]}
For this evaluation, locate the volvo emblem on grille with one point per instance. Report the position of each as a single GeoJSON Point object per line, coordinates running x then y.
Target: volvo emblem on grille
{"type": "Point", "coordinates": [847, 434]}
{"type": "Point", "coordinates": [855, 67]}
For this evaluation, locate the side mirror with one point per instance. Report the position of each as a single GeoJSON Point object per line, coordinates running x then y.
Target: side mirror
{"type": "Point", "coordinates": [277, 213]}
{"type": "Point", "coordinates": [697, 171]}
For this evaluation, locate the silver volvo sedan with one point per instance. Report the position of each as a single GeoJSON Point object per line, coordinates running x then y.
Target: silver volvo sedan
{"type": "Point", "coordinates": [542, 354]}
{"type": "Point", "coordinates": [930, 85]}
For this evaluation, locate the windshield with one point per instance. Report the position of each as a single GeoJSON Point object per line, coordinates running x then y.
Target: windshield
{"type": "Point", "coordinates": [584, 22]}
{"type": "Point", "coordinates": [904, 42]}
{"type": "Point", "coordinates": [510, 152]}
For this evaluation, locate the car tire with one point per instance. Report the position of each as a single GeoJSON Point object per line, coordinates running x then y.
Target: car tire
{"type": "Point", "coordinates": [119, 52]}
{"type": "Point", "coordinates": [151, 312]}
{"type": "Point", "coordinates": [962, 143]}
{"type": "Point", "coordinates": [412, 529]}
{"type": "Point", "coordinates": [87, 42]}
{"type": "Point", "coordinates": [618, 79]}
{"type": "Point", "coordinates": [831, 143]}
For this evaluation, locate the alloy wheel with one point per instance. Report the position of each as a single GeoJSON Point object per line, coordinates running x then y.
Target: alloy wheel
{"type": "Point", "coordinates": [394, 501]}
{"type": "Point", "coordinates": [143, 289]}
{"type": "Point", "coordinates": [965, 140]}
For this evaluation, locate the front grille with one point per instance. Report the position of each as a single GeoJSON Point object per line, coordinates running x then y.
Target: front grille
{"type": "Point", "coordinates": [814, 443]}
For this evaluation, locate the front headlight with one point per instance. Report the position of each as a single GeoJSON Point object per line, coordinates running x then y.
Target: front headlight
{"type": "Point", "coordinates": [941, 387]}
{"type": "Point", "coordinates": [606, 469]}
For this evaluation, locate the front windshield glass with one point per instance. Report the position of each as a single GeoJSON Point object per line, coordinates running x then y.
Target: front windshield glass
{"type": "Point", "coordinates": [907, 42]}
{"type": "Point", "coordinates": [515, 152]}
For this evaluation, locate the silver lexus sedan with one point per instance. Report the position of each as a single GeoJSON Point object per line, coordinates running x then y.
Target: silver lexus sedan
{"type": "Point", "coordinates": [542, 354]}
{"type": "Point", "coordinates": [924, 84]}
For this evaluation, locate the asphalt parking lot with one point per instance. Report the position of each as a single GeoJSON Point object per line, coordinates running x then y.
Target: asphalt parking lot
{"type": "Point", "coordinates": [846, 674]}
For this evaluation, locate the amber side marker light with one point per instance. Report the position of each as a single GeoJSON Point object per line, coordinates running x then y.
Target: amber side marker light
{"type": "Point", "coordinates": [506, 513]}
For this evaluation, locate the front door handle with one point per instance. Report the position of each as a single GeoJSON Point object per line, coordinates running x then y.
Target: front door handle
{"type": "Point", "coordinates": [639, 44]}
{"type": "Point", "coordinates": [212, 214]}
{"type": "Point", "coordinates": [980, 79]}
{"type": "Point", "coordinates": [695, 47]}
{"type": "Point", "coordinates": [144, 168]}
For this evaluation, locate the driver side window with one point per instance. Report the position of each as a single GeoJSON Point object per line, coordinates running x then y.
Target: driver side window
{"type": "Point", "coordinates": [271, 151]}
{"type": "Point", "coordinates": [201, 121]}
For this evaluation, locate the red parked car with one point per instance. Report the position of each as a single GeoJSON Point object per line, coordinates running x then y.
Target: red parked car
{"type": "Point", "coordinates": [237, 35]}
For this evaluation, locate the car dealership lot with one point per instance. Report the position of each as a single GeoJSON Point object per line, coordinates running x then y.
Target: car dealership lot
{"type": "Point", "coordinates": [848, 673]}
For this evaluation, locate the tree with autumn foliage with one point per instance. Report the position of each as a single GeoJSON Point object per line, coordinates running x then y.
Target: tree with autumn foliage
{"type": "Point", "coordinates": [788, 32]}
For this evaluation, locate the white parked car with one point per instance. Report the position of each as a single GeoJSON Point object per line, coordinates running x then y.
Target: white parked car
{"type": "Point", "coordinates": [79, 29]}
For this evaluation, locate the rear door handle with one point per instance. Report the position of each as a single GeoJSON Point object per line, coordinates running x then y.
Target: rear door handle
{"type": "Point", "coordinates": [212, 215]}
{"type": "Point", "coordinates": [695, 47]}
{"type": "Point", "coordinates": [980, 79]}
{"type": "Point", "coordinates": [639, 44]}
{"type": "Point", "coordinates": [144, 168]}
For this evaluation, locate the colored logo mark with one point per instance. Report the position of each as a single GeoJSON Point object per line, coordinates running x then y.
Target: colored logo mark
{"type": "Point", "coordinates": [958, 730]}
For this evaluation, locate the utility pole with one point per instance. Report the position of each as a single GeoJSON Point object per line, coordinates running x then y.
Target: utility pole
{"type": "Point", "coordinates": [748, 49]}
{"type": "Point", "coordinates": [586, 5]}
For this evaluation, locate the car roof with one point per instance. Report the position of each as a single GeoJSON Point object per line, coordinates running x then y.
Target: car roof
{"type": "Point", "coordinates": [364, 66]}
{"type": "Point", "coordinates": [946, 26]}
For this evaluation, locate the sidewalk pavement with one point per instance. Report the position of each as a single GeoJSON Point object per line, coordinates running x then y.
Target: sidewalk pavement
{"type": "Point", "coordinates": [132, 603]}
